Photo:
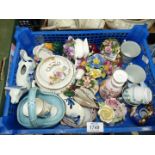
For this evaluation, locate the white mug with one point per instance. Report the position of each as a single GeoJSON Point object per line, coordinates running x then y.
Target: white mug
{"type": "Point", "coordinates": [129, 50]}
{"type": "Point", "coordinates": [136, 74]}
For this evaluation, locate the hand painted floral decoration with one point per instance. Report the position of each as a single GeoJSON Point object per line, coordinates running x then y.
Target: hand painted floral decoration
{"type": "Point", "coordinates": [110, 49]}
{"type": "Point", "coordinates": [87, 82]}
{"type": "Point", "coordinates": [68, 48]}
{"type": "Point", "coordinates": [95, 73]}
{"type": "Point", "coordinates": [119, 109]}
{"type": "Point", "coordinates": [96, 61]}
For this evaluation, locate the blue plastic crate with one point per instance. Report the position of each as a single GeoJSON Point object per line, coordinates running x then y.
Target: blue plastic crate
{"type": "Point", "coordinates": [26, 39]}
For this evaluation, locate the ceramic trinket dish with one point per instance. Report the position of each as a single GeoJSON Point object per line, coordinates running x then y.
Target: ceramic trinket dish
{"type": "Point", "coordinates": [137, 94]}
{"type": "Point", "coordinates": [55, 73]}
{"type": "Point", "coordinates": [42, 51]}
{"type": "Point", "coordinates": [35, 114]}
{"type": "Point", "coordinates": [112, 87]}
{"type": "Point", "coordinates": [25, 70]}
{"type": "Point", "coordinates": [142, 114]}
{"type": "Point", "coordinates": [110, 48]}
{"type": "Point", "coordinates": [112, 111]}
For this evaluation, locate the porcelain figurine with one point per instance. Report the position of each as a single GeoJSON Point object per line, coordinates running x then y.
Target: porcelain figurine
{"type": "Point", "coordinates": [137, 94]}
{"type": "Point", "coordinates": [16, 93]}
{"type": "Point", "coordinates": [25, 70]}
{"type": "Point", "coordinates": [110, 48]}
{"type": "Point", "coordinates": [81, 49]}
{"type": "Point", "coordinates": [112, 87]}
{"type": "Point", "coordinates": [42, 52]}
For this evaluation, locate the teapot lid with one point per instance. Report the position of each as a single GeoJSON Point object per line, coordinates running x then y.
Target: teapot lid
{"type": "Point", "coordinates": [55, 73]}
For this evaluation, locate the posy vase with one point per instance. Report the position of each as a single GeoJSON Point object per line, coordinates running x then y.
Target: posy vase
{"type": "Point", "coordinates": [112, 87]}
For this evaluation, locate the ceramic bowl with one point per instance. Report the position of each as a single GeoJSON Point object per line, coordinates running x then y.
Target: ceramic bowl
{"type": "Point", "coordinates": [140, 75]}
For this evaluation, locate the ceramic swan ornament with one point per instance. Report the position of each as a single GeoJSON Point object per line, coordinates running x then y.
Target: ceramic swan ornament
{"type": "Point", "coordinates": [25, 70]}
{"type": "Point", "coordinates": [81, 48]}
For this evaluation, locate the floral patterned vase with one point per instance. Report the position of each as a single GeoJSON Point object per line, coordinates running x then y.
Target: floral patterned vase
{"type": "Point", "coordinates": [112, 87]}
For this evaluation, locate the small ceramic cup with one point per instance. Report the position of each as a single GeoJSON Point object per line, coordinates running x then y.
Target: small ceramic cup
{"type": "Point", "coordinates": [129, 50]}
{"type": "Point", "coordinates": [42, 108]}
{"type": "Point", "coordinates": [136, 74]}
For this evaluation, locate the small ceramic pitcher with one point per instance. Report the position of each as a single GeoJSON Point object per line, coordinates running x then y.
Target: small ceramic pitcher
{"type": "Point", "coordinates": [136, 95]}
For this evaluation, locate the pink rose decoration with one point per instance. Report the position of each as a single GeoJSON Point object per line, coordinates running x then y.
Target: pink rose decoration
{"type": "Point", "coordinates": [112, 102]}
{"type": "Point", "coordinates": [108, 49]}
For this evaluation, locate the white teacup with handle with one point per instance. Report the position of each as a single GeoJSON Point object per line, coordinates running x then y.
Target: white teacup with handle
{"type": "Point", "coordinates": [42, 108]}
{"type": "Point", "coordinates": [137, 94]}
{"type": "Point", "coordinates": [129, 50]}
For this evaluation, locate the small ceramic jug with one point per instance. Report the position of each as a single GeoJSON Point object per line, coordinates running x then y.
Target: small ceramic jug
{"type": "Point", "coordinates": [136, 95]}
{"type": "Point", "coordinates": [25, 70]}
{"type": "Point", "coordinates": [112, 87]}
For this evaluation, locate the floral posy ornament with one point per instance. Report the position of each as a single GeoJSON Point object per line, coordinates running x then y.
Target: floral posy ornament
{"type": "Point", "coordinates": [68, 48]}
{"type": "Point", "coordinates": [112, 111]}
{"type": "Point", "coordinates": [96, 61]}
{"type": "Point", "coordinates": [110, 48]}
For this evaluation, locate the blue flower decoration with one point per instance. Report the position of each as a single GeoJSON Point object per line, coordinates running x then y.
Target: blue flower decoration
{"type": "Point", "coordinates": [70, 102]}
{"type": "Point", "coordinates": [96, 61]}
